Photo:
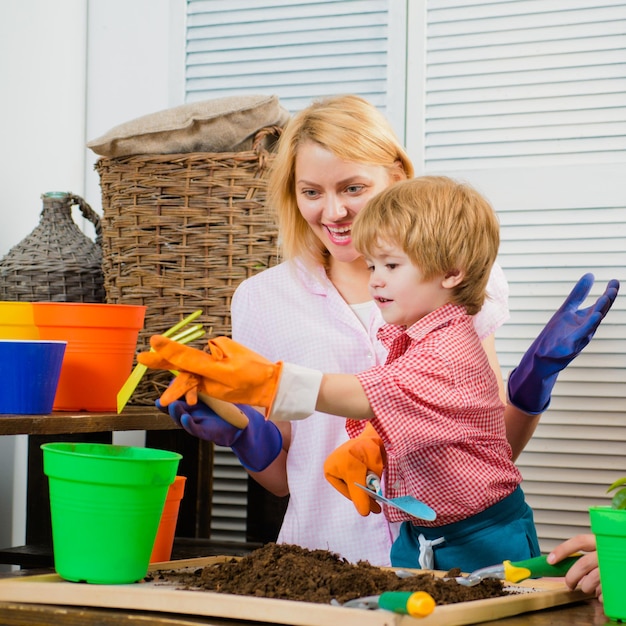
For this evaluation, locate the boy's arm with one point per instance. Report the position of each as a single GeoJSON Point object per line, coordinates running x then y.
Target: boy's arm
{"type": "Point", "coordinates": [343, 394]}
{"type": "Point", "coordinates": [233, 373]}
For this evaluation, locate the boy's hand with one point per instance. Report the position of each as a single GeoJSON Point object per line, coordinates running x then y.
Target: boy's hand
{"type": "Point", "coordinates": [351, 462]}
{"type": "Point", "coordinates": [229, 372]}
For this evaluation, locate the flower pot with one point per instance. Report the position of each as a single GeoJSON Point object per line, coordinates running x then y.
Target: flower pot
{"type": "Point", "coordinates": [106, 503]}
{"type": "Point", "coordinates": [609, 527]}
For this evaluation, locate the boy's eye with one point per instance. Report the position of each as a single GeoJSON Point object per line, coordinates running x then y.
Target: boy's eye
{"type": "Point", "coordinates": [392, 266]}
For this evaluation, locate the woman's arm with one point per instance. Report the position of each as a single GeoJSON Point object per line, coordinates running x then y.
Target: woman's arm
{"type": "Point", "coordinates": [565, 335]}
{"type": "Point", "coordinates": [274, 477]}
{"type": "Point", "coordinates": [520, 426]}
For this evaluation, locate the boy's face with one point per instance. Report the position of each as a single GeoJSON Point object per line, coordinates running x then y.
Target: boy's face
{"type": "Point", "coordinates": [399, 289]}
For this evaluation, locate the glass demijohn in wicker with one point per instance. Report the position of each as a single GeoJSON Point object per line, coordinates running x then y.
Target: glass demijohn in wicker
{"type": "Point", "coordinates": [57, 262]}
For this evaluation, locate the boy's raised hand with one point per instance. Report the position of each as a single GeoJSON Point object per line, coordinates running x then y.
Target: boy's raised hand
{"type": "Point", "coordinates": [229, 372]}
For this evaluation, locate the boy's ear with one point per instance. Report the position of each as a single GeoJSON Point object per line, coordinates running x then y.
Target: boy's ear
{"type": "Point", "coordinates": [452, 278]}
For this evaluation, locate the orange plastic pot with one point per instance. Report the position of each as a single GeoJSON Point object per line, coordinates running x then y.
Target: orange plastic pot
{"type": "Point", "coordinates": [101, 344]}
{"type": "Point", "coordinates": [164, 542]}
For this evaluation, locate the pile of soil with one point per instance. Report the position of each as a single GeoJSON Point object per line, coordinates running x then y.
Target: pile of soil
{"type": "Point", "coordinates": [290, 572]}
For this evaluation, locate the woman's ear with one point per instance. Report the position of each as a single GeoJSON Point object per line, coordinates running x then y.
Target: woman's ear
{"type": "Point", "coordinates": [452, 278]}
{"type": "Point", "coordinates": [397, 172]}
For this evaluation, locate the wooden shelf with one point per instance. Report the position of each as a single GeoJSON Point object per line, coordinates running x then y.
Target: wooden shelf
{"type": "Point", "coordinates": [131, 418]}
{"type": "Point", "coordinates": [161, 432]}
{"type": "Point", "coordinates": [41, 555]}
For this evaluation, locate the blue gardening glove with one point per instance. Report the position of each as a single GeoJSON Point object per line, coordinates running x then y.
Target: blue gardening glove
{"type": "Point", "coordinates": [566, 334]}
{"type": "Point", "coordinates": [256, 445]}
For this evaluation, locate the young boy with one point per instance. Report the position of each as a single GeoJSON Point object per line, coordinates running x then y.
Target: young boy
{"type": "Point", "coordinates": [429, 244]}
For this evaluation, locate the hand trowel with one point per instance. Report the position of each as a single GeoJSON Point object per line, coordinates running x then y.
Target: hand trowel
{"type": "Point", "coordinates": [408, 504]}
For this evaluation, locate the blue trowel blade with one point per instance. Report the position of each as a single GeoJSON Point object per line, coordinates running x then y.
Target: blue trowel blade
{"type": "Point", "coordinates": [408, 504]}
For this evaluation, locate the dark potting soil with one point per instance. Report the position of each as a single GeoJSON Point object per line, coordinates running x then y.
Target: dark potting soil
{"type": "Point", "coordinates": [290, 572]}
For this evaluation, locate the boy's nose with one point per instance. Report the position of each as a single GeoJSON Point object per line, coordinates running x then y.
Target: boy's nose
{"type": "Point", "coordinates": [376, 279]}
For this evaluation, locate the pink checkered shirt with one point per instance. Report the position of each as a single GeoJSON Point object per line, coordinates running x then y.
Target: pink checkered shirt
{"type": "Point", "coordinates": [287, 313]}
{"type": "Point", "coordinates": [440, 417]}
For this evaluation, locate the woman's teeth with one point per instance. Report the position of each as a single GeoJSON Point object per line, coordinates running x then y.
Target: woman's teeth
{"type": "Point", "coordinates": [339, 234]}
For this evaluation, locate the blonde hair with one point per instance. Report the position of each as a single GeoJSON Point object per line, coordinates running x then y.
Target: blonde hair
{"type": "Point", "coordinates": [353, 130]}
{"type": "Point", "coordinates": [441, 225]}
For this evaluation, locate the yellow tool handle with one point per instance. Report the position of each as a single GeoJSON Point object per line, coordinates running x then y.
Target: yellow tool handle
{"type": "Point", "coordinates": [227, 411]}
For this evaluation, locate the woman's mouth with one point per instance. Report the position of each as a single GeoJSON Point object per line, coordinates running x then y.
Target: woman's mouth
{"type": "Point", "coordinates": [339, 235]}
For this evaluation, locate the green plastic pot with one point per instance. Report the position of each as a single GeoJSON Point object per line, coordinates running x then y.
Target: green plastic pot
{"type": "Point", "coordinates": [106, 503]}
{"type": "Point", "coordinates": [609, 527]}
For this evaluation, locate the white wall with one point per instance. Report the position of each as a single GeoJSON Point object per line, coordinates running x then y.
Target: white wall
{"type": "Point", "coordinates": [77, 67]}
{"type": "Point", "coordinates": [135, 66]}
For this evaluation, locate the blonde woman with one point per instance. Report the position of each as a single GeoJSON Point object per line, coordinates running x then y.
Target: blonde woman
{"type": "Point", "coordinates": [314, 309]}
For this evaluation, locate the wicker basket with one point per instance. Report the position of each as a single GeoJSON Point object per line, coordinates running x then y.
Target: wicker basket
{"type": "Point", "coordinates": [179, 233]}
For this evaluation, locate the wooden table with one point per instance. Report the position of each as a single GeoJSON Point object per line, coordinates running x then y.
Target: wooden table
{"type": "Point", "coordinates": [587, 613]}
{"type": "Point", "coordinates": [584, 613]}
{"type": "Point", "coordinates": [16, 608]}
{"type": "Point", "coordinates": [161, 432]}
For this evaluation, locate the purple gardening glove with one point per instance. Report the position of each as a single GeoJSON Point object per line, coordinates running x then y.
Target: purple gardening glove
{"type": "Point", "coordinates": [256, 445]}
{"type": "Point", "coordinates": [566, 334]}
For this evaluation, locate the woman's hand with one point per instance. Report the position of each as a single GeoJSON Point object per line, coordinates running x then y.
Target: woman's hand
{"type": "Point", "coordinates": [564, 337]}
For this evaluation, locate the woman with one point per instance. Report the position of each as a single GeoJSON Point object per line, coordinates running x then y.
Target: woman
{"type": "Point", "coordinates": [314, 310]}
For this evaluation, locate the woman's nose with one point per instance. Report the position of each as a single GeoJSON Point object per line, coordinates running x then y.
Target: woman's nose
{"type": "Point", "coordinates": [335, 208]}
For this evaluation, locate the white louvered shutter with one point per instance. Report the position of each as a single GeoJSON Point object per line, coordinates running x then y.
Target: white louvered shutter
{"type": "Point", "coordinates": [526, 100]}
{"type": "Point", "coordinates": [299, 50]}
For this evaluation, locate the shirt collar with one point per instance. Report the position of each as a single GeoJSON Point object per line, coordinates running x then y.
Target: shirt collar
{"type": "Point", "coordinates": [439, 317]}
{"type": "Point", "coordinates": [315, 280]}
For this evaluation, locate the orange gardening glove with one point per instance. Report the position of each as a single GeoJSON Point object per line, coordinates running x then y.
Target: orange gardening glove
{"type": "Point", "coordinates": [351, 462]}
{"type": "Point", "coordinates": [229, 372]}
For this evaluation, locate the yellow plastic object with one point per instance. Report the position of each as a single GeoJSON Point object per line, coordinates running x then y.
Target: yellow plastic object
{"type": "Point", "coordinates": [127, 389]}
{"type": "Point", "coordinates": [515, 574]}
{"type": "Point", "coordinates": [17, 321]}
{"type": "Point", "coordinates": [414, 603]}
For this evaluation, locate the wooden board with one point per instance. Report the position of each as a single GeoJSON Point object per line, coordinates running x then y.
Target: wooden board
{"type": "Point", "coordinates": [159, 596]}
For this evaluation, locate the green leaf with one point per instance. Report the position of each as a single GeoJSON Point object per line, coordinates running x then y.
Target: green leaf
{"type": "Point", "coordinates": [618, 483]}
{"type": "Point", "coordinates": [619, 500]}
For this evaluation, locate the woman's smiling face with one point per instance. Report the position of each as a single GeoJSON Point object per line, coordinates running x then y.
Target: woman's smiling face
{"type": "Point", "coordinates": [331, 192]}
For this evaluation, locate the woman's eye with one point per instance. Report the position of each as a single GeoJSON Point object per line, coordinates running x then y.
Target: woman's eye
{"type": "Point", "coordinates": [355, 189]}
{"type": "Point", "coordinates": [309, 193]}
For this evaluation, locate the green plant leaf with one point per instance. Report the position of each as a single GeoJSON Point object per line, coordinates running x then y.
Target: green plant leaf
{"type": "Point", "coordinates": [619, 500]}
{"type": "Point", "coordinates": [618, 483]}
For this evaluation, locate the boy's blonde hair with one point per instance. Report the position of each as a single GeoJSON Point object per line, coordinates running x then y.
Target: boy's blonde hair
{"type": "Point", "coordinates": [353, 130]}
{"type": "Point", "coordinates": [441, 225]}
